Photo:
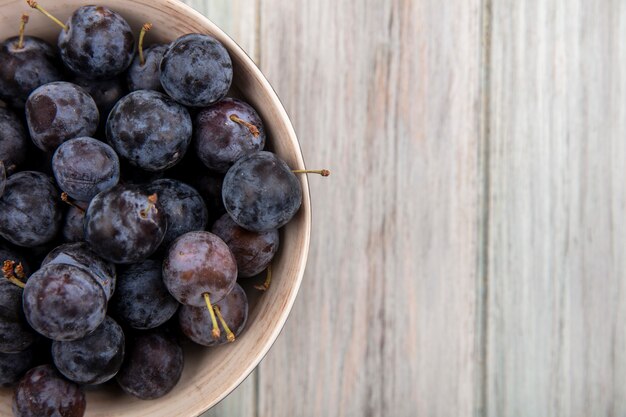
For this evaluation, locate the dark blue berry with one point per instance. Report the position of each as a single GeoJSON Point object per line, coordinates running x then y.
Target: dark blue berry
{"type": "Point", "coordinates": [80, 254]}
{"type": "Point", "coordinates": [141, 299]}
{"type": "Point", "coordinates": [182, 205]}
{"type": "Point", "coordinates": [84, 167]}
{"type": "Point", "coordinates": [98, 43]}
{"type": "Point", "coordinates": [95, 358]}
{"type": "Point", "coordinates": [64, 302]}
{"type": "Point", "coordinates": [43, 392]}
{"type": "Point", "coordinates": [14, 365]}
{"type": "Point", "coordinates": [30, 212]}
{"type": "Point", "coordinates": [199, 263]}
{"type": "Point", "coordinates": [24, 69]}
{"type": "Point", "coordinates": [105, 93]}
{"type": "Point", "coordinates": [148, 75]}
{"type": "Point", "coordinates": [13, 141]}
{"type": "Point", "coordinates": [60, 111]}
{"type": "Point", "coordinates": [227, 131]}
{"type": "Point", "coordinates": [261, 193]}
{"type": "Point", "coordinates": [125, 224]}
{"type": "Point", "coordinates": [153, 366]}
{"type": "Point", "coordinates": [149, 129]}
{"type": "Point", "coordinates": [253, 250]}
{"type": "Point", "coordinates": [15, 334]}
{"type": "Point", "coordinates": [196, 70]}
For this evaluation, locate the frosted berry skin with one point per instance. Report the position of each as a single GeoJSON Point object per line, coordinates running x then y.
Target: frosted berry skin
{"type": "Point", "coordinates": [196, 324]}
{"type": "Point", "coordinates": [220, 140]}
{"type": "Point", "coordinates": [149, 130]}
{"type": "Point", "coordinates": [60, 111]}
{"type": "Point", "coordinates": [13, 140]}
{"type": "Point", "coordinates": [153, 366]}
{"type": "Point", "coordinates": [123, 225]}
{"type": "Point", "coordinates": [81, 255]}
{"type": "Point", "coordinates": [43, 392]}
{"type": "Point", "coordinates": [105, 93]}
{"type": "Point", "coordinates": [84, 167]}
{"type": "Point", "coordinates": [94, 359]}
{"type": "Point", "coordinates": [141, 300]}
{"type": "Point", "coordinates": [196, 70]}
{"type": "Point", "coordinates": [148, 75]}
{"type": "Point", "coordinates": [253, 250]}
{"type": "Point", "coordinates": [74, 225]}
{"type": "Point", "coordinates": [30, 212]}
{"type": "Point", "coordinates": [183, 207]}
{"type": "Point", "coordinates": [209, 185]}
{"type": "Point", "coordinates": [15, 334]}
{"type": "Point", "coordinates": [26, 68]}
{"type": "Point", "coordinates": [198, 263]}
{"type": "Point", "coordinates": [64, 302]}
{"type": "Point", "coordinates": [98, 44]}
{"type": "Point", "coordinates": [14, 365]}
{"type": "Point", "coordinates": [261, 193]}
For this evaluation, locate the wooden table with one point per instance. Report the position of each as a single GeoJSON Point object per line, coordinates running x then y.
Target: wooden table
{"type": "Point", "coordinates": [469, 250]}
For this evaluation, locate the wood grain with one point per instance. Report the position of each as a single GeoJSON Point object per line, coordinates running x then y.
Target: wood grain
{"type": "Point", "coordinates": [385, 94]}
{"type": "Point", "coordinates": [556, 310]}
{"type": "Point", "coordinates": [238, 18]}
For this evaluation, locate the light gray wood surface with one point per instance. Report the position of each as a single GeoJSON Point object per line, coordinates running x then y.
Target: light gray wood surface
{"type": "Point", "coordinates": [468, 253]}
{"type": "Point", "coordinates": [557, 254]}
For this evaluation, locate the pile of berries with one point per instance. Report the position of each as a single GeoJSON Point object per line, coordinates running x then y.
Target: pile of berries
{"type": "Point", "coordinates": [133, 195]}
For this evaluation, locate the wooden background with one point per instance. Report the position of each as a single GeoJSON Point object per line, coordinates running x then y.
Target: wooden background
{"type": "Point", "coordinates": [468, 256]}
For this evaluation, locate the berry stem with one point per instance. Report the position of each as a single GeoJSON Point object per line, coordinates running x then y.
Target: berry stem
{"type": "Point", "coordinates": [322, 172]}
{"type": "Point", "coordinates": [66, 199]}
{"type": "Point", "coordinates": [9, 271]}
{"type": "Point", "coordinates": [152, 200]}
{"type": "Point", "coordinates": [268, 279]}
{"type": "Point", "coordinates": [230, 336]}
{"type": "Point", "coordinates": [252, 128]}
{"type": "Point", "coordinates": [34, 5]}
{"type": "Point", "coordinates": [216, 329]}
{"type": "Point", "coordinates": [145, 28]}
{"type": "Point", "coordinates": [19, 271]}
{"type": "Point", "coordinates": [23, 21]}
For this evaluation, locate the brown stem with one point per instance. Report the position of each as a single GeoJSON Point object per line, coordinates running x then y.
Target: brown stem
{"type": "Point", "coordinates": [268, 280]}
{"type": "Point", "coordinates": [252, 128]}
{"type": "Point", "coordinates": [19, 271]}
{"type": "Point", "coordinates": [322, 172]}
{"type": "Point", "coordinates": [34, 5]}
{"type": "Point", "coordinates": [145, 28]}
{"type": "Point", "coordinates": [216, 330]}
{"type": "Point", "coordinates": [152, 200]}
{"type": "Point", "coordinates": [230, 336]}
{"type": "Point", "coordinates": [67, 200]}
{"type": "Point", "coordinates": [23, 21]}
{"type": "Point", "coordinates": [9, 269]}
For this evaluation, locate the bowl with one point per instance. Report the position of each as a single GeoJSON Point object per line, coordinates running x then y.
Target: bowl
{"type": "Point", "coordinates": [209, 373]}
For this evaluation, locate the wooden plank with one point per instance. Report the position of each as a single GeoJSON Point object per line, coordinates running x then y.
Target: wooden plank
{"type": "Point", "coordinates": [386, 94]}
{"type": "Point", "coordinates": [557, 233]}
{"type": "Point", "coordinates": [238, 18]}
